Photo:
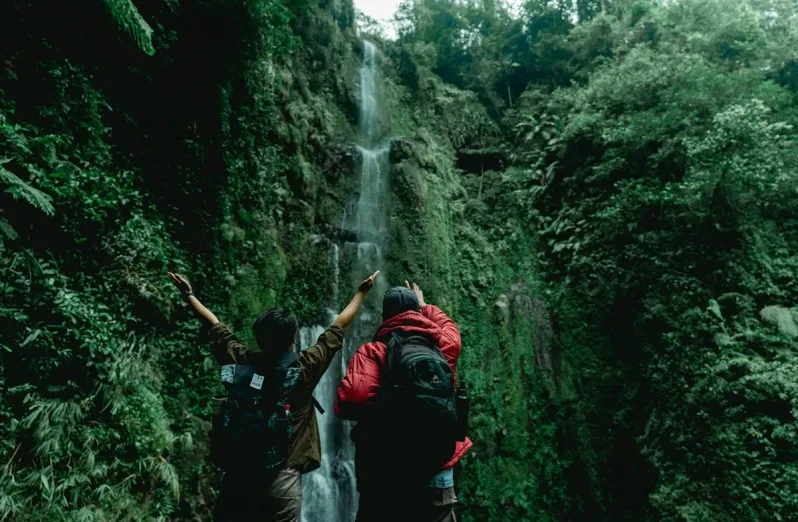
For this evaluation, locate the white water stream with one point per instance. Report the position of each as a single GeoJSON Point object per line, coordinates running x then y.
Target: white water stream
{"type": "Point", "coordinates": [330, 493]}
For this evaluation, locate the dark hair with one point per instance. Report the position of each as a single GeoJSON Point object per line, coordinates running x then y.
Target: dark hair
{"type": "Point", "coordinates": [275, 330]}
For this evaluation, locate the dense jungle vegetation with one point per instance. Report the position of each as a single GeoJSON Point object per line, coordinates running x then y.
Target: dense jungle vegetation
{"type": "Point", "coordinates": [603, 194]}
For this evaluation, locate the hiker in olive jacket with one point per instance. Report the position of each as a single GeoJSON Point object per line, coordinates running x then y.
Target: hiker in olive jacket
{"type": "Point", "coordinates": [260, 495]}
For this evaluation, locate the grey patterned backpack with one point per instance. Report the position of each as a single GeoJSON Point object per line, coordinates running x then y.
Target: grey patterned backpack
{"type": "Point", "coordinates": [253, 429]}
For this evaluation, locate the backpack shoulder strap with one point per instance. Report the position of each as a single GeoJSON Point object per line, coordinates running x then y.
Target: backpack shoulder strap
{"type": "Point", "coordinates": [317, 405]}
{"type": "Point", "coordinates": [423, 339]}
{"type": "Point", "coordinates": [418, 339]}
{"type": "Point", "coordinates": [393, 352]}
{"type": "Point", "coordinates": [394, 341]}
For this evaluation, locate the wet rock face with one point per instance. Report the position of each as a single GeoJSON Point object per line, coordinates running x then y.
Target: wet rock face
{"type": "Point", "coordinates": [340, 161]}
{"type": "Point", "coordinates": [547, 351]}
{"type": "Point", "coordinates": [401, 149]}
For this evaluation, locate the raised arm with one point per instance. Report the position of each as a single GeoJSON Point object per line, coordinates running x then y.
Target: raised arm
{"type": "Point", "coordinates": [185, 290]}
{"type": "Point", "coordinates": [349, 313]}
{"type": "Point", "coordinates": [451, 344]}
{"type": "Point", "coordinates": [315, 360]}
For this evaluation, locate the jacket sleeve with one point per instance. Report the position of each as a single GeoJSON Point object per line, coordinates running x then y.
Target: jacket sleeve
{"type": "Point", "coordinates": [315, 360]}
{"type": "Point", "coordinates": [225, 345]}
{"type": "Point", "coordinates": [451, 344]}
{"type": "Point", "coordinates": [361, 382]}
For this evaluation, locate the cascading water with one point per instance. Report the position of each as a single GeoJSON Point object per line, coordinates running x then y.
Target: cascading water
{"type": "Point", "coordinates": [317, 489]}
{"type": "Point", "coordinates": [370, 225]}
{"type": "Point", "coordinates": [368, 93]}
{"type": "Point", "coordinates": [330, 494]}
{"type": "Point", "coordinates": [371, 218]}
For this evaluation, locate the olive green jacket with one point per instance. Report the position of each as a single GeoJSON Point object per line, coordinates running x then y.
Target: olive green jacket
{"type": "Point", "coordinates": [305, 453]}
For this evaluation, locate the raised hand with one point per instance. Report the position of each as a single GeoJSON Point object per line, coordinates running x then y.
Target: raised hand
{"type": "Point", "coordinates": [185, 290]}
{"type": "Point", "coordinates": [418, 292]}
{"type": "Point", "coordinates": [368, 284]}
{"type": "Point", "coordinates": [181, 283]}
{"type": "Point", "coordinates": [348, 314]}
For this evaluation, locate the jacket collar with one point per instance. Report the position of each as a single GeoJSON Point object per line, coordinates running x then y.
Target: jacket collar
{"type": "Point", "coordinates": [408, 323]}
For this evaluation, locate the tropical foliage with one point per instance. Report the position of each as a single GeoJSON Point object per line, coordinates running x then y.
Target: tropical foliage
{"type": "Point", "coordinates": [601, 193]}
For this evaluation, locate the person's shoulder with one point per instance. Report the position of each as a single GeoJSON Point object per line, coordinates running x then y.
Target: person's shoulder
{"type": "Point", "coordinates": [221, 331]}
{"type": "Point", "coordinates": [374, 348]}
{"type": "Point", "coordinates": [260, 360]}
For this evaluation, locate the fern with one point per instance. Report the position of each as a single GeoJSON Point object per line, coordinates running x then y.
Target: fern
{"type": "Point", "coordinates": [6, 230]}
{"type": "Point", "coordinates": [21, 190]}
{"type": "Point", "coordinates": [162, 470]}
{"type": "Point", "coordinates": [9, 505]}
{"type": "Point", "coordinates": [129, 19]}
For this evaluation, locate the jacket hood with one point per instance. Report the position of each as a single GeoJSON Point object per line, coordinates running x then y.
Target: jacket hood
{"type": "Point", "coordinates": [408, 323]}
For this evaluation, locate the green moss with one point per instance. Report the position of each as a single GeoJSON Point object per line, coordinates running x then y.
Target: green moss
{"type": "Point", "coordinates": [308, 290]}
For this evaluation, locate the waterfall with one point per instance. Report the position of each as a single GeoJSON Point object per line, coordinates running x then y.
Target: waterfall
{"type": "Point", "coordinates": [330, 493]}
{"type": "Point", "coordinates": [371, 219]}
{"type": "Point", "coordinates": [368, 92]}
{"type": "Point", "coordinates": [370, 225]}
{"type": "Point", "coordinates": [317, 488]}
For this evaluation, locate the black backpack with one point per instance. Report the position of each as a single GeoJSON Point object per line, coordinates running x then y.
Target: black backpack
{"type": "Point", "coordinates": [253, 427]}
{"type": "Point", "coordinates": [418, 408]}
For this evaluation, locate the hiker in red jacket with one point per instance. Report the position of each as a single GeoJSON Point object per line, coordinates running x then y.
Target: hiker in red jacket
{"type": "Point", "coordinates": [394, 477]}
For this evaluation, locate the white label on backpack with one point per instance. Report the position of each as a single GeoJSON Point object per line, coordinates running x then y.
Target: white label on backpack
{"type": "Point", "coordinates": [257, 382]}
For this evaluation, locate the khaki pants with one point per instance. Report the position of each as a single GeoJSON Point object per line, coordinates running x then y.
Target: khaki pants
{"type": "Point", "coordinates": [252, 497]}
{"type": "Point", "coordinates": [407, 505]}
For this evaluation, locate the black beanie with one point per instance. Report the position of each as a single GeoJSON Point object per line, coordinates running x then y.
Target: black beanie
{"type": "Point", "coordinates": [397, 300]}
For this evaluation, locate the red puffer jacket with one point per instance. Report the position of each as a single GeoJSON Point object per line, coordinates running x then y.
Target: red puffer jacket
{"type": "Point", "coordinates": [361, 385]}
